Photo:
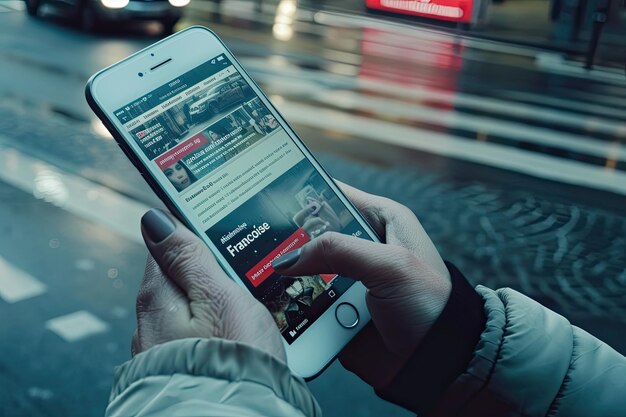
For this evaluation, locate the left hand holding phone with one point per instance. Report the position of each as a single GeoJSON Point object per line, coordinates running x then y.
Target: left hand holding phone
{"type": "Point", "coordinates": [185, 293]}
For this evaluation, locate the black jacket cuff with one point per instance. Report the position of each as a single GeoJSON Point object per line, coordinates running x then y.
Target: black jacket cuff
{"type": "Point", "coordinates": [444, 353]}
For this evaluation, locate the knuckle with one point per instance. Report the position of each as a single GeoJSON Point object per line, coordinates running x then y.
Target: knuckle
{"type": "Point", "coordinates": [405, 261]}
{"type": "Point", "coordinates": [151, 271]}
{"type": "Point", "coordinates": [373, 213]}
{"type": "Point", "coordinates": [405, 211]}
{"type": "Point", "coordinates": [393, 210]}
{"type": "Point", "coordinates": [182, 255]}
{"type": "Point", "coordinates": [328, 243]}
{"type": "Point", "coordinates": [145, 298]}
{"type": "Point", "coordinates": [331, 246]}
{"type": "Point", "coordinates": [408, 265]}
{"type": "Point", "coordinates": [150, 298]}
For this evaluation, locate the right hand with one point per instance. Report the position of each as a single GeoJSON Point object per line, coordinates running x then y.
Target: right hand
{"type": "Point", "coordinates": [408, 284]}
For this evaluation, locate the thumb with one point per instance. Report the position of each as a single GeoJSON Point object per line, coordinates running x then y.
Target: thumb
{"type": "Point", "coordinates": [182, 256]}
{"type": "Point", "coordinates": [381, 267]}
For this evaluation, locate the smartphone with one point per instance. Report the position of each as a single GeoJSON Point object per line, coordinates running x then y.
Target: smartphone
{"type": "Point", "coordinates": [226, 163]}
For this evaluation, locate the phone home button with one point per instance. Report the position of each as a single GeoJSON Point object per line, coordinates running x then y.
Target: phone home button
{"type": "Point", "coordinates": [347, 315]}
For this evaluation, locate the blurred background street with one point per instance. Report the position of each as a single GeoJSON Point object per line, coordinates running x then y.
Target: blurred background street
{"type": "Point", "coordinates": [512, 155]}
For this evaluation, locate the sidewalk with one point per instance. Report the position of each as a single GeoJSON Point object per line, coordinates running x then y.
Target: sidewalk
{"type": "Point", "coordinates": [528, 22]}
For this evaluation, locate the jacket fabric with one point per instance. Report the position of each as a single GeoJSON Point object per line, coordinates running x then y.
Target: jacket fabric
{"type": "Point", "coordinates": [208, 377]}
{"type": "Point", "coordinates": [528, 362]}
{"type": "Point", "coordinates": [531, 362]}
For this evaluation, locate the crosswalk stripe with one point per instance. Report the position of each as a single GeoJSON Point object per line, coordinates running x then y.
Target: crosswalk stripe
{"type": "Point", "coordinates": [12, 6]}
{"type": "Point", "coordinates": [479, 124]}
{"type": "Point", "coordinates": [589, 124]}
{"type": "Point", "coordinates": [556, 63]}
{"type": "Point", "coordinates": [617, 109]}
{"type": "Point", "coordinates": [16, 284]}
{"type": "Point", "coordinates": [491, 154]}
{"type": "Point", "coordinates": [75, 194]}
{"type": "Point", "coordinates": [583, 123]}
{"type": "Point", "coordinates": [77, 326]}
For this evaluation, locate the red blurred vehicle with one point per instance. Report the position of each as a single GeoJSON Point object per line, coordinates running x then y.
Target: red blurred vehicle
{"type": "Point", "coordinates": [461, 11]}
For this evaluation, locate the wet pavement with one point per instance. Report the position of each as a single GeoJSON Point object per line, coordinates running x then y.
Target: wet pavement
{"type": "Point", "coordinates": [513, 158]}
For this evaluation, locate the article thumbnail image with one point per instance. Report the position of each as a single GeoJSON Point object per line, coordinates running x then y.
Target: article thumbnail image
{"type": "Point", "coordinates": [290, 299]}
{"type": "Point", "coordinates": [211, 148]}
{"type": "Point", "coordinates": [260, 117]}
{"type": "Point", "coordinates": [299, 200]}
{"type": "Point", "coordinates": [308, 201]}
{"type": "Point", "coordinates": [179, 175]}
{"type": "Point", "coordinates": [158, 135]}
{"type": "Point", "coordinates": [212, 103]}
{"type": "Point", "coordinates": [226, 139]}
{"type": "Point", "coordinates": [297, 207]}
{"type": "Point", "coordinates": [203, 108]}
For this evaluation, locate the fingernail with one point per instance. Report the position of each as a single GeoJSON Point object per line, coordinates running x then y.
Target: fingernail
{"type": "Point", "coordinates": [157, 225]}
{"type": "Point", "coordinates": [287, 259]}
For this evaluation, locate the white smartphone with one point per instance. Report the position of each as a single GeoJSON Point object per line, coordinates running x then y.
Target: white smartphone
{"type": "Point", "coordinates": [227, 164]}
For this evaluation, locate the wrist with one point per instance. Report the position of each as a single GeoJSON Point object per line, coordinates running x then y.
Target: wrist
{"type": "Point", "coordinates": [445, 351]}
{"type": "Point", "coordinates": [436, 300]}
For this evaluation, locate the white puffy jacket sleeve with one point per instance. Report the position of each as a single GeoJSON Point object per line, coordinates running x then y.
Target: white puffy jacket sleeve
{"type": "Point", "coordinates": [532, 362]}
{"type": "Point", "coordinates": [208, 377]}
{"type": "Point", "coordinates": [501, 354]}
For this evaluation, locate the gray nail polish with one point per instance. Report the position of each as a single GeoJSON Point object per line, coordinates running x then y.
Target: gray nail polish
{"type": "Point", "coordinates": [287, 260]}
{"type": "Point", "coordinates": [157, 225]}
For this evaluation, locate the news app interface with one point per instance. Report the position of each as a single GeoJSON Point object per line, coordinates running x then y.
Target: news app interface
{"type": "Point", "coordinates": [243, 179]}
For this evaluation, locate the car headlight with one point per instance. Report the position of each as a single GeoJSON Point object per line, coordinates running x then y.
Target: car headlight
{"type": "Point", "coordinates": [179, 3]}
{"type": "Point", "coordinates": [115, 4]}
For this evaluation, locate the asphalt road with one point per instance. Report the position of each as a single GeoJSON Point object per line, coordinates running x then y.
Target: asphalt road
{"type": "Point", "coordinates": [512, 158]}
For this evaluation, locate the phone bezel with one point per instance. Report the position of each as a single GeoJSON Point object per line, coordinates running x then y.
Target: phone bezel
{"type": "Point", "coordinates": [317, 346]}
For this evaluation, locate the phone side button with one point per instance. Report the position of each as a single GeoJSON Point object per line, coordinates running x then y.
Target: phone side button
{"type": "Point", "coordinates": [347, 315]}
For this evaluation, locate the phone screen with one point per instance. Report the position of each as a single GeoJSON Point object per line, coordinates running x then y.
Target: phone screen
{"type": "Point", "coordinates": [241, 178]}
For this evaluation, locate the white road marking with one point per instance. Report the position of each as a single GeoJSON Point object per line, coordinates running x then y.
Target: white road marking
{"type": "Point", "coordinates": [557, 64]}
{"type": "Point", "coordinates": [269, 73]}
{"type": "Point", "coordinates": [586, 123]}
{"type": "Point", "coordinates": [77, 326]}
{"type": "Point", "coordinates": [499, 156]}
{"type": "Point", "coordinates": [12, 6]}
{"type": "Point", "coordinates": [457, 120]}
{"type": "Point", "coordinates": [84, 264]}
{"type": "Point", "coordinates": [617, 109]}
{"type": "Point", "coordinates": [75, 194]}
{"type": "Point", "coordinates": [16, 284]}
{"type": "Point", "coordinates": [40, 393]}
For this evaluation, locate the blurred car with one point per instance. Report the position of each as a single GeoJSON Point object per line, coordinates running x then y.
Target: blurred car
{"type": "Point", "coordinates": [89, 13]}
{"type": "Point", "coordinates": [220, 97]}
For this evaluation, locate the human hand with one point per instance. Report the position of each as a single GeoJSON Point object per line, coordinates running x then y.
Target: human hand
{"type": "Point", "coordinates": [185, 293]}
{"type": "Point", "coordinates": [408, 283]}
